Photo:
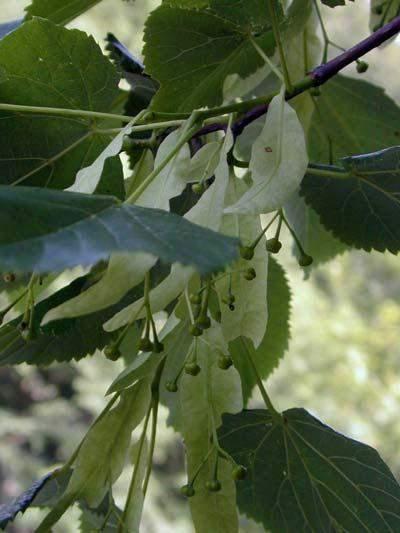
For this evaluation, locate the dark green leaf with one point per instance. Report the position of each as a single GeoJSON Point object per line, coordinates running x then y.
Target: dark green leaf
{"type": "Point", "coordinates": [363, 209]}
{"type": "Point", "coordinates": [304, 476]}
{"type": "Point", "coordinates": [49, 66]}
{"type": "Point", "coordinates": [352, 117]}
{"type": "Point", "coordinates": [58, 11]}
{"type": "Point", "coordinates": [276, 339]}
{"type": "Point", "coordinates": [191, 52]}
{"type": "Point", "coordinates": [60, 230]}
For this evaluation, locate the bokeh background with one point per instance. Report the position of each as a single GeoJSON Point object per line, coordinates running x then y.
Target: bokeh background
{"type": "Point", "coordinates": [343, 363]}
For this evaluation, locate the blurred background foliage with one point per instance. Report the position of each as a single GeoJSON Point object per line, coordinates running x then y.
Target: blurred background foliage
{"type": "Point", "coordinates": [344, 358]}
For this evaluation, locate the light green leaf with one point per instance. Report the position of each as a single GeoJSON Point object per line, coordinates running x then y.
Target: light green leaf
{"type": "Point", "coordinates": [207, 213]}
{"type": "Point", "coordinates": [102, 455]}
{"type": "Point", "coordinates": [58, 11]}
{"type": "Point", "coordinates": [64, 229]}
{"type": "Point", "coordinates": [276, 339]}
{"type": "Point", "coordinates": [191, 52]}
{"type": "Point", "coordinates": [88, 179]}
{"type": "Point", "coordinates": [64, 69]}
{"type": "Point", "coordinates": [278, 161]}
{"type": "Point", "coordinates": [203, 399]}
{"type": "Point", "coordinates": [250, 315]}
{"type": "Point", "coordinates": [304, 476]}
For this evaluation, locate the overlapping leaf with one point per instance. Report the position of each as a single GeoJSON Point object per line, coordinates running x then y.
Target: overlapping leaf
{"type": "Point", "coordinates": [63, 229]}
{"type": "Point", "coordinates": [49, 66]}
{"type": "Point", "coordinates": [59, 11]}
{"type": "Point", "coordinates": [362, 205]}
{"type": "Point", "coordinates": [304, 476]}
{"type": "Point", "coordinates": [191, 51]}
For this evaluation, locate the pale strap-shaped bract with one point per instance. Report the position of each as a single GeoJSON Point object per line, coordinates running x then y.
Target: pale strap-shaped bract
{"type": "Point", "coordinates": [250, 315]}
{"type": "Point", "coordinates": [207, 212]}
{"type": "Point", "coordinates": [203, 400]}
{"type": "Point", "coordinates": [278, 161]}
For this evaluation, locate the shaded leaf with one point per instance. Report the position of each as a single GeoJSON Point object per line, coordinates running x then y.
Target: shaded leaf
{"type": "Point", "coordinates": [361, 207]}
{"type": "Point", "coordinates": [304, 476]}
{"type": "Point", "coordinates": [352, 117]}
{"type": "Point", "coordinates": [276, 339]}
{"type": "Point", "coordinates": [63, 69]}
{"type": "Point", "coordinates": [64, 229]}
{"type": "Point", "coordinates": [58, 11]}
{"type": "Point", "coordinates": [201, 48]}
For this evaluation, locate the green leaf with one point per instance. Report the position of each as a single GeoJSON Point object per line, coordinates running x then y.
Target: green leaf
{"type": "Point", "coordinates": [64, 229]}
{"type": "Point", "coordinates": [362, 208]}
{"type": "Point", "coordinates": [276, 339]}
{"type": "Point", "coordinates": [203, 399]}
{"type": "Point", "coordinates": [64, 69]}
{"type": "Point", "coordinates": [63, 341]}
{"type": "Point", "coordinates": [58, 11]}
{"type": "Point", "coordinates": [105, 518]}
{"type": "Point", "coordinates": [102, 454]}
{"type": "Point", "coordinates": [304, 476]}
{"type": "Point", "coordinates": [278, 161]}
{"type": "Point", "coordinates": [191, 52]}
{"type": "Point", "coordinates": [352, 117]}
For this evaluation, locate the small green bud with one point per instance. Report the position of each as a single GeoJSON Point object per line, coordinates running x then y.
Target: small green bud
{"type": "Point", "coordinates": [203, 322]}
{"type": "Point", "coordinates": [195, 330]}
{"type": "Point", "coordinates": [112, 352]}
{"type": "Point", "coordinates": [247, 252]}
{"type": "Point", "coordinates": [198, 188]}
{"type": "Point", "coordinates": [362, 66]}
{"type": "Point", "coordinates": [188, 491]}
{"type": "Point", "coordinates": [305, 260]}
{"type": "Point", "coordinates": [224, 362]}
{"type": "Point", "coordinates": [195, 299]}
{"type": "Point", "coordinates": [145, 345]}
{"type": "Point", "coordinates": [273, 245]}
{"type": "Point", "coordinates": [250, 274]}
{"type": "Point", "coordinates": [158, 347]}
{"type": "Point", "coordinates": [9, 277]}
{"type": "Point", "coordinates": [171, 386]}
{"type": "Point", "coordinates": [213, 485]}
{"type": "Point", "coordinates": [239, 473]}
{"type": "Point", "coordinates": [192, 369]}
{"type": "Point", "coordinates": [315, 91]}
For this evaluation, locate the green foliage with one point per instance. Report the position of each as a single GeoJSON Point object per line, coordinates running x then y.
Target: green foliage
{"type": "Point", "coordinates": [200, 334]}
{"type": "Point", "coordinates": [174, 35]}
{"type": "Point", "coordinates": [362, 209]}
{"type": "Point", "coordinates": [56, 147]}
{"type": "Point", "coordinates": [58, 11]}
{"type": "Point", "coordinates": [58, 220]}
{"type": "Point", "coordinates": [318, 480]}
